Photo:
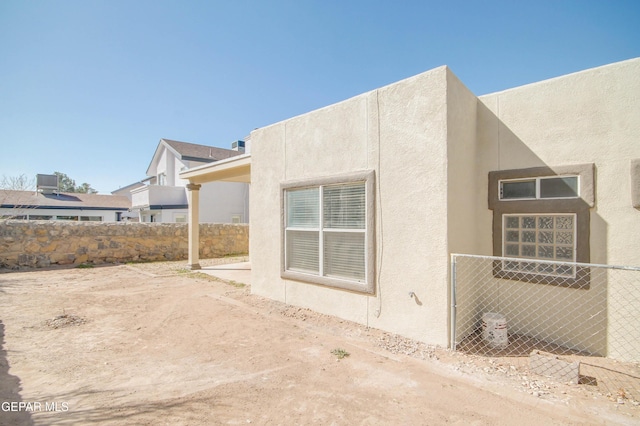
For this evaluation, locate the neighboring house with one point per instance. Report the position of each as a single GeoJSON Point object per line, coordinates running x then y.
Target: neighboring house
{"type": "Point", "coordinates": [356, 207]}
{"type": "Point", "coordinates": [162, 197]}
{"type": "Point", "coordinates": [34, 205]}
{"type": "Point", "coordinates": [125, 191]}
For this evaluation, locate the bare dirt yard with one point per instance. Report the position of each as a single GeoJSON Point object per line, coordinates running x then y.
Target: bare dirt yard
{"type": "Point", "coordinates": [153, 344]}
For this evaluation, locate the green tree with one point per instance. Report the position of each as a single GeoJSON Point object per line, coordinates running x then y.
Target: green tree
{"type": "Point", "coordinates": [86, 188]}
{"type": "Point", "coordinates": [66, 184]}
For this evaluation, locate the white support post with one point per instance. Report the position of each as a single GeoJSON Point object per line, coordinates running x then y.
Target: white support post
{"type": "Point", "coordinates": [193, 195]}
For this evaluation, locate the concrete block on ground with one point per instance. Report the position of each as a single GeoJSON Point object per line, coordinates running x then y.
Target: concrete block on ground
{"type": "Point", "coordinates": [550, 365]}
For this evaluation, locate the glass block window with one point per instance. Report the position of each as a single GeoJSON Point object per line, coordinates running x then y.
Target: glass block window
{"type": "Point", "coordinates": [541, 188]}
{"type": "Point", "coordinates": [549, 237]}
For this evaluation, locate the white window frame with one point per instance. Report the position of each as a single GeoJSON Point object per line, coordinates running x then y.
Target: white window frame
{"type": "Point", "coordinates": [40, 217]}
{"type": "Point", "coordinates": [71, 217]}
{"type": "Point", "coordinates": [537, 187]}
{"type": "Point", "coordinates": [91, 219]}
{"type": "Point", "coordinates": [365, 285]}
{"type": "Point", "coordinates": [180, 218]}
{"type": "Point", "coordinates": [543, 265]}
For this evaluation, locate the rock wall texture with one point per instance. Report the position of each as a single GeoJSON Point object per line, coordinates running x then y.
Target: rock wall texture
{"type": "Point", "coordinates": [45, 243]}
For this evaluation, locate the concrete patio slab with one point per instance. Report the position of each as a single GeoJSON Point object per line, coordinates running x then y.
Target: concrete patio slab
{"type": "Point", "coordinates": [238, 272]}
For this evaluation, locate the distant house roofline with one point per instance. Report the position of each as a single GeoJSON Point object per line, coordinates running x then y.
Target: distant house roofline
{"type": "Point", "coordinates": [187, 151]}
{"type": "Point", "coordinates": [131, 186]}
{"type": "Point", "coordinates": [64, 200]}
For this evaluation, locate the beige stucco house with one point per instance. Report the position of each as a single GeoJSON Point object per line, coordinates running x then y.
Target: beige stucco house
{"type": "Point", "coordinates": [356, 207]}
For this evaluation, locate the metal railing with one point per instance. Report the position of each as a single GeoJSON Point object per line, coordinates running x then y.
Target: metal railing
{"type": "Point", "coordinates": [573, 322]}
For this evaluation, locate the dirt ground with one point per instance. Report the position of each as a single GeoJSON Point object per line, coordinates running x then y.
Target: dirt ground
{"type": "Point", "coordinates": [153, 344]}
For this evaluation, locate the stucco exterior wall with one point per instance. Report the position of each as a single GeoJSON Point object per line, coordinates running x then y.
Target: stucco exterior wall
{"type": "Point", "coordinates": [432, 144]}
{"type": "Point", "coordinates": [220, 201]}
{"type": "Point", "coordinates": [162, 163]}
{"type": "Point", "coordinates": [465, 205]}
{"type": "Point", "coordinates": [400, 133]}
{"type": "Point", "coordinates": [588, 117]}
{"type": "Point", "coordinates": [45, 243]}
{"type": "Point", "coordinates": [180, 166]}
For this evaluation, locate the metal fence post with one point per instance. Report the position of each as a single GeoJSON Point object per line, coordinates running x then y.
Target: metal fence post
{"type": "Point", "coordinates": [453, 302]}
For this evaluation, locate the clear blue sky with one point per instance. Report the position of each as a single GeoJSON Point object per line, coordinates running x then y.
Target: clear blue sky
{"type": "Point", "coordinates": [89, 87]}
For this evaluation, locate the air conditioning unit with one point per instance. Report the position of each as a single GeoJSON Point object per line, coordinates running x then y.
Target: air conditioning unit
{"type": "Point", "coordinates": [47, 184]}
{"type": "Point", "coordinates": [237, 146]}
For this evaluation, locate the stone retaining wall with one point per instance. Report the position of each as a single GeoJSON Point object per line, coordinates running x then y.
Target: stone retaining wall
{"type": "Point", "coordinates": [45, 243]}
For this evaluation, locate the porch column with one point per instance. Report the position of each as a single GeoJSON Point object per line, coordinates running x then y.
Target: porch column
{"type": "Point", "coordinates": [193, 197]}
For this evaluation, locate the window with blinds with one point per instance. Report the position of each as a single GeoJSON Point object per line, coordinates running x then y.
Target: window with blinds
{"type": "Point", "coordinates": [325, 232]}
{"type": "Point", "coordinates": [343, 218]}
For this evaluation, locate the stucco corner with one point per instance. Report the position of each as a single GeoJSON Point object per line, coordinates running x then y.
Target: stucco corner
{"type": "Point", "coordinates": [635, 183]}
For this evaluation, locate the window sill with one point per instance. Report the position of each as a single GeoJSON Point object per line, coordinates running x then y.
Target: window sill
{"type": "Point", "coordinates": [581, 280]}
{"type": "Point", "coordinates": [358, 287]}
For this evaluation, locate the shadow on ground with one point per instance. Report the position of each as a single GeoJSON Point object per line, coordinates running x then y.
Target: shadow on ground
{"type": "Point", "coordinates": [10, 414]}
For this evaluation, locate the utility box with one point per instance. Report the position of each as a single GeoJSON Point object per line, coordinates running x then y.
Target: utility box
{"type": "Point", "coordinates": [47, 184]}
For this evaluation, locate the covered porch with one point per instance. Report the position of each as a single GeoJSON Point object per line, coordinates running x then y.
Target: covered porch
{"type": "Point", "coordinates": [234, 169]}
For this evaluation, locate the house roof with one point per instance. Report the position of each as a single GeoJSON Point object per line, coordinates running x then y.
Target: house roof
{"type": "Point", "coordinates": [63, 200]}
{"type": "Point", "coordinates": [192, 152]}
{"type": "Point", "coordinates": [128, 188]}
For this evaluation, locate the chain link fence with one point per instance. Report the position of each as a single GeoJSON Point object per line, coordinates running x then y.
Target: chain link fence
{"type": "Point", "coordinates": [573, 322]}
